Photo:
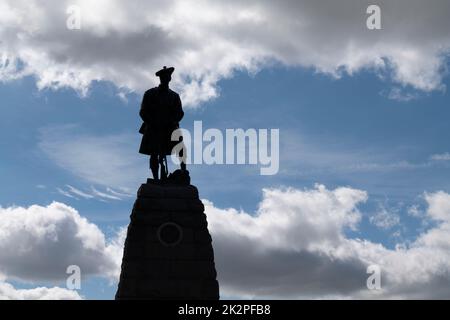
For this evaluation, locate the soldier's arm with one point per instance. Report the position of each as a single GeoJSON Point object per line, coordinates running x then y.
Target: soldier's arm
{"type": "Point", "coordinates": [144, 111]}
{"type": "Point", "coordinates": [179, 113]}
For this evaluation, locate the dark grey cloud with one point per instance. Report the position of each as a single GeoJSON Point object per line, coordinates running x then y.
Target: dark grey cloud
{"type": "Point", "coordinates": [246, 270]}
{"type": "Point", "coordinates": [125, 42]}
{"type": "Point", "coordinates": [267, 255]}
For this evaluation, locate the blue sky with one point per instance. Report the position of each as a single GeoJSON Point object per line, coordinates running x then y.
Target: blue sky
{"type": "Point", "coordinates": [364, 152]}
{"type": "Point", "coordinates": [327, 128]}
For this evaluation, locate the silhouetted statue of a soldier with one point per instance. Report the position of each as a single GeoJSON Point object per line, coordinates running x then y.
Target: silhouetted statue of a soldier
{"type": "Point", "coordinates": [161, 112]}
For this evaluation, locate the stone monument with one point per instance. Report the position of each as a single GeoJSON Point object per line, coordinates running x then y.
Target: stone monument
{"type": "Point", "coordinates": [168, 250]}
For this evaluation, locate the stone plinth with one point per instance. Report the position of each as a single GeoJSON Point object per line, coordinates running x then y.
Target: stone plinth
{"type": "Point", "coordinates": [168, 252]}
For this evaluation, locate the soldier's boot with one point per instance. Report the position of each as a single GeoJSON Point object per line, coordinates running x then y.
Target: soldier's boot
{"type": "Point", "coordinates": [155, 173]}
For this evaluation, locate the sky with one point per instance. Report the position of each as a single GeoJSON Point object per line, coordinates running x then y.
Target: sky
{"type": "Point", "coordinates": [364, 159]}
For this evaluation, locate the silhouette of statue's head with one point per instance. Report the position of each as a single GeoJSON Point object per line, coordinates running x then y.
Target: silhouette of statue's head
{"type": "Point", "coordinates": [165, 75]}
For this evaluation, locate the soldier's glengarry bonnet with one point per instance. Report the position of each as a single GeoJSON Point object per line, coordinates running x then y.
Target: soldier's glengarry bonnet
{"type": "Point", "coordinates": [165, 71]}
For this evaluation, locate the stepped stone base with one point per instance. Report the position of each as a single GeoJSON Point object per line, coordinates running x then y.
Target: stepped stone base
{"type": "Point", "coordinates": [168, 252]}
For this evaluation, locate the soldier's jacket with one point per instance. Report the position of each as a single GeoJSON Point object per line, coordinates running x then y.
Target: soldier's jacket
{"type": "Point", "coordinates": [161, 112]}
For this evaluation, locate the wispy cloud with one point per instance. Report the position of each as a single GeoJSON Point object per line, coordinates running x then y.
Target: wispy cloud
{"type": "Point", "coordinates": [119, 194]}
{"type": "Point", "coordinates": [328, 157]}
{"type": "Point", "coordinates": [441, 157]}
{"type": "Point", "coordinates": [92, 194]}
{"type": "Point", "coordinates": [104, 195]}
{"type": "Point", "coordinates": [385, 219]}
{"type": "Point", "coordinates": [79, 192]}
{"type": "Point", "coordinates": [415, 211]}
{"type": "Point", "coordinates": [66, 193]}
{"type": "Point", "coordinates": [106, 160]}
{"type": "Point", "coordinates": [399, 94]}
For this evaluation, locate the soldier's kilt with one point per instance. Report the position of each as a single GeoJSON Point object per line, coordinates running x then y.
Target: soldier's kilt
{"type": "Point", "coordinates": [158, 141]}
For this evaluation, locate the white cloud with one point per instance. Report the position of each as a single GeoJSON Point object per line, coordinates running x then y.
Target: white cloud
{"type": "Point", "coordinates": [38, 244]}
{"type": "Point", "coordinates": [295, 246]}
{"type": "Point", "coordinates": [439, 206]}
{"type": "Point", "coordinates": [282, 213]}
{"type": "Point", "coordinates": [8, 292]}
{"type": "Point", "coordinates": [126, 42]}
